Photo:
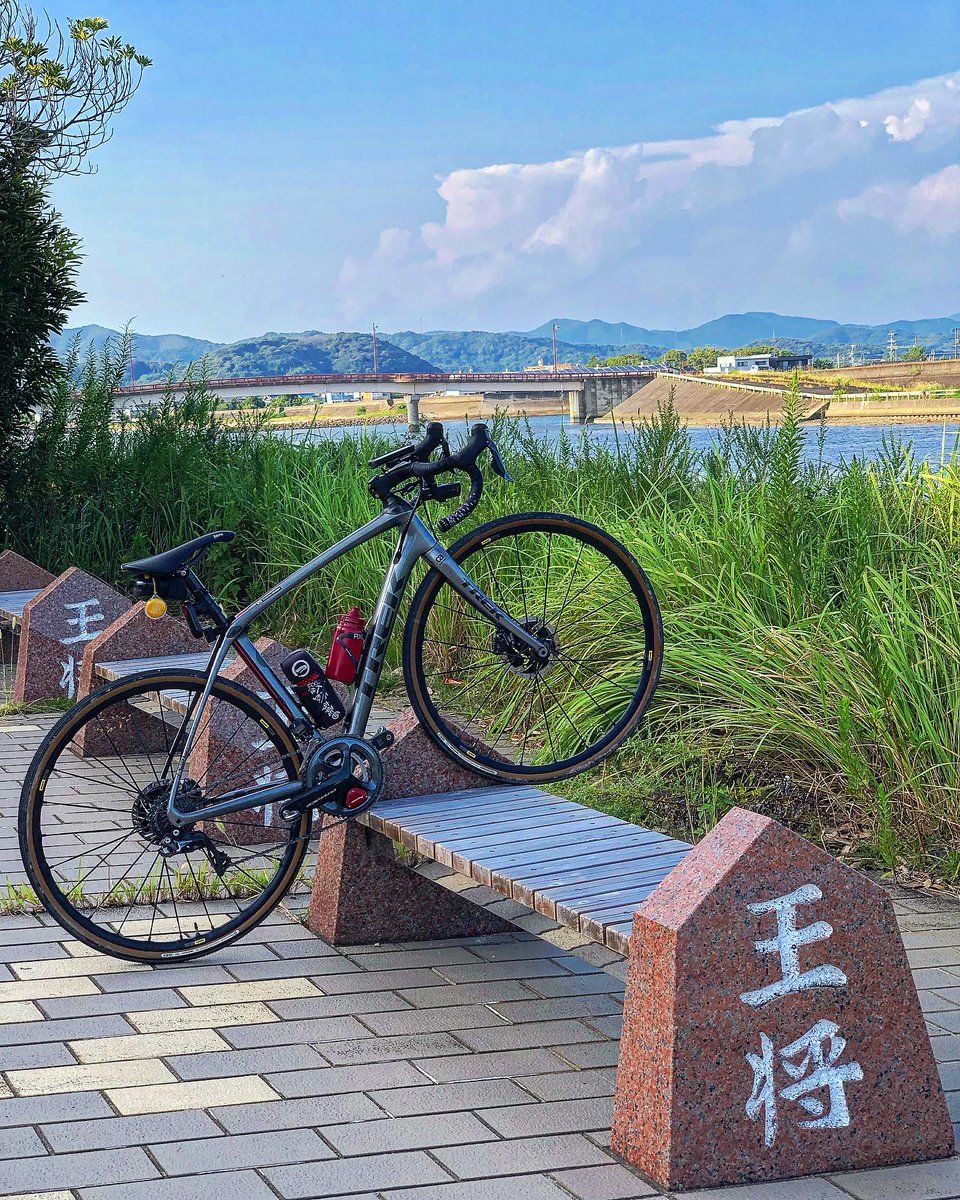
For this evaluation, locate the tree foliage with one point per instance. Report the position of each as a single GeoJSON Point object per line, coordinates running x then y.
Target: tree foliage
{"type": "Point", "coordinates": [37, 291]}
{"type": "Point", "coordinates": [59, 89]}
{"type": "Point", "coordinates": [916, 353]}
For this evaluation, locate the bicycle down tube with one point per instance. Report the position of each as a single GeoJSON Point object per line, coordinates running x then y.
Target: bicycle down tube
{"type": "Point", "coordinates": [415, 541]}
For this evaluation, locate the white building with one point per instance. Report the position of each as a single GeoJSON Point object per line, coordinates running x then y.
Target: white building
{"type": "Point", "coordinates": [758, 362]}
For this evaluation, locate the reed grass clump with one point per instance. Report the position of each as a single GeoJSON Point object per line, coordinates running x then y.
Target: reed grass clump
{"type": "Point", "coordinates": [811, 611]}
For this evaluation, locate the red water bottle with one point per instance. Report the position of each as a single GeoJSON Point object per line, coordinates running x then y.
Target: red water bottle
{"type": "Point", "coordinates": [347, 647]}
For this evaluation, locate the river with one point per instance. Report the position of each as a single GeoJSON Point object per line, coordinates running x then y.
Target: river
{"type": "Point", "coordinates": [843, 442]}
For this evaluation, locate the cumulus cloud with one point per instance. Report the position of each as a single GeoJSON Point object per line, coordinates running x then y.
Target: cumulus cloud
{"type": "Point", "coordinates": [757, 197]}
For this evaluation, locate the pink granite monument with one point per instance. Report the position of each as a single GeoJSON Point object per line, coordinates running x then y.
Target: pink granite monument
{"type": "Point", "coordinates": [772, 1028]}
{"type": "Point", "coordinates": [58, 624]}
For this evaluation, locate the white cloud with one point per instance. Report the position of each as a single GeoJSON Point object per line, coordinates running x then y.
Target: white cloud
{"type": "Point", "coordinates": [600, 226]}
{"type": "Point", "coordinates": [932, 205]}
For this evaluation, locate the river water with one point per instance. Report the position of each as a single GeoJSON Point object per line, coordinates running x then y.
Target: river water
{"type": "Point", "coordinates": [930, 442]}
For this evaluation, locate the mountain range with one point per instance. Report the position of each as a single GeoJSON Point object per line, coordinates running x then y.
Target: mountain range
{"type": "Point", "coordinates": [316, 352]}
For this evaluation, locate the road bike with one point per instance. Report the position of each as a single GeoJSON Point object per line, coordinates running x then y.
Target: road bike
{"type": "Point", "coordinates": [169, 811]}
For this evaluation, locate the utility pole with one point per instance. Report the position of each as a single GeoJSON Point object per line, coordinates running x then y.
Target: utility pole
{"type": "Point", "coordinates": [956, 342]}
{"type": "Point", "coordinates": [555, 367]}
{"type": "Point", "coordinates": [853, 354]}
{"type": "Point", "coordinates": [131, 366]}
{"type": "Point", "coordinates": [376, 364]}
{"type": "Point", "coordinates": [892, 346]}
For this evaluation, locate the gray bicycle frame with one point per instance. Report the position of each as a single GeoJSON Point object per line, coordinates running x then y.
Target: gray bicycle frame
{"type": "Point", "coordinates": [415, 542]}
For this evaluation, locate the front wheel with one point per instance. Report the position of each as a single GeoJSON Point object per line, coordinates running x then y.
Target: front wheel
{"type": "Point", "coordinates": [484, 700]}
{"type": "Point", "coordinates": [93, 818]}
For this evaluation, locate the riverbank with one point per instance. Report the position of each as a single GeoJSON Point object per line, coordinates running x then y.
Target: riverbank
{"type": "Point", "coordinates": [811, 608]}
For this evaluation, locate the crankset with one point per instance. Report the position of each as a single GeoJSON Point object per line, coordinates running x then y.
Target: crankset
{"type": "Point", "coordinates": [343, 777]}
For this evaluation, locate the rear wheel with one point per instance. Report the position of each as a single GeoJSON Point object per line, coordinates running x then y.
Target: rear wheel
{"type": "Point", "coordinates": [485, 700]}
{"type": "Point", "coordinates": [93, 818]}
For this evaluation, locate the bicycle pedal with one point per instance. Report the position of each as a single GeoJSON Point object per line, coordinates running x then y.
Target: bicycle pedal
{"type": "Point", "coordinates": [382, 739]}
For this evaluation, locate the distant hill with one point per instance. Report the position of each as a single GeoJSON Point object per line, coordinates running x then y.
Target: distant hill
{"type": "Point", "coordinates": [744, 329]}
{"type": "Point", "coordinates": [476, 350]}
{"type": "Point", "coordinates": [309, 353]}
{"type": "Point", "coordinates": [314, 352]}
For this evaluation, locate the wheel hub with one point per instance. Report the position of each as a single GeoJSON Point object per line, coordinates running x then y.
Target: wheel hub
{"type": "Point", "coordinates": [519, 658]}
{"type": "Point", "coordinates": [149, 812]}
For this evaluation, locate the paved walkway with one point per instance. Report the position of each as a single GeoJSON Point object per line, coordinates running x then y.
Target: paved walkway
{"type": "Point", "coordinates": [455, 1070]}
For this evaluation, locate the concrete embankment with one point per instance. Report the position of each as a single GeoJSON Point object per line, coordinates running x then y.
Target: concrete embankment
{"type": "Point", "coordinates": [698, 402]}
{"type": "Point", "coordinates": [707, 402]}
{"type": "Point", "coordinates": [941, 372]}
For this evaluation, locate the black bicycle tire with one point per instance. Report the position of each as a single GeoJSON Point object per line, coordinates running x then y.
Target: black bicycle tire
{"type": "Point", "coordinates": [427, 714]}
{"type": "Point", "coordinates": [29, 812]}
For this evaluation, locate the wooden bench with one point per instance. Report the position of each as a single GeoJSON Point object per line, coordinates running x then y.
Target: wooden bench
{"type": "Point", "coordinates": [12, 605]}
{"type": "Point", "coordinates": [580, 867]}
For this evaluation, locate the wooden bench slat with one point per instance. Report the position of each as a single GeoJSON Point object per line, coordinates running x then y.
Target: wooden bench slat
{"type": "Point", "coordinates": [12, 605]}
{"type": "Point", "coordinates": [128, 666]}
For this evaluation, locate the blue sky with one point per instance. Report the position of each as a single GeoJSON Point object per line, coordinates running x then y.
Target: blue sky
{"type": "Point", "coordinates": [322, 164]}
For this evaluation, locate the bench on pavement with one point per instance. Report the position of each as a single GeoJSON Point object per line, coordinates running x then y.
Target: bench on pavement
{"type": "Point", "coordinates": [761, 1041]}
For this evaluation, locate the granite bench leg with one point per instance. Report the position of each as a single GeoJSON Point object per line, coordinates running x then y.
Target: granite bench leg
{"type": "Point", "coordinates": [132, 635]}
{"type": "Point", "coordinates": [771, 1025]}
{"type": "Point", "coordinates": [228, 756]}
{"type": "Point", "coordinates": [58, 624]}
{"type": "Point", "coordinates": [17, 574]}
{"type": "Point", "coordinates": [362, 892]}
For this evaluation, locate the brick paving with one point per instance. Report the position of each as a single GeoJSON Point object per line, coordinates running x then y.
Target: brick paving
{"type": "Point", "coordinates": [477, 1069]}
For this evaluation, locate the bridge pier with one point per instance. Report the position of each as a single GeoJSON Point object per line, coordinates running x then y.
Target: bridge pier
{"type": "Point", "coordinates": [413, 413]}
{"type": "Point", "coordinates": [576, 407]}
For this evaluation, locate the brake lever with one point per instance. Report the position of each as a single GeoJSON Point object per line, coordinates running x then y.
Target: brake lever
{"type": "Point", "coordinates": [497, 462]}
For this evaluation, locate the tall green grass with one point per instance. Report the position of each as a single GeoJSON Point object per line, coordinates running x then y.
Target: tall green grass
{"type": "Point", "coordinates": [812, 612]}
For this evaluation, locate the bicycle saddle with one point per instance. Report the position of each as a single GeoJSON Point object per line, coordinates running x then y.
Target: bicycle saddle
{"type": "Point", "coordinates": [171, 561]}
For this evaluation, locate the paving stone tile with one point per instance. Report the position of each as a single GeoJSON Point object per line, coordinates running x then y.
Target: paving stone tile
{"type": "Point", "coordinates": [432, 1020]}
{"type": "Point", "coordinates": [64, 968]}
{"type": "Point", "coordinates": [147, 1045]}
{"type": "Point", "coordinates": [35, 1110]}
{"type": "Point", "coordinates": [230, 1153]}
{"type": "Point", "coordinates": [324, 1007]}
{"type": "Point", "coordinates": [794, 1189]}
{"type": "Point", "coordinates": [16, 1011]}
{"type": "Point", "coordinates": [19, 1143]}
{"type": "Point", "coordinates": [167, 1097]}
{"type": "Point", "coordinates": [380, 981]}
{"type": "Point", "coordinates": [526, 1154]}
{"type": "Point", "coordinates": [110, 1167]}
{"type": "Point", "coordinates": [110, 1002]}
{"type": "Point", "coordinates": [440, 956]}
{"type": "Point", "coordinates": [521, 1037]}
{"type": "Point", "coordinates": [592, 1054]}
{"type": "Point", "coordinates": [310, 947]}
{"type": "Point", "coordinates": [308, 1112]}
{"type": "Point", "coordinates": [571, 1085]}
{"type": "Point", "coordinates": [42, 1054]}
{"type": "Point", "coordinates": [560, 1008]}
{"type": "Point", "coordinates": [946, 1047]}
{"type": "Point", "coordinates": [213, 1016]}
{"type": "Point", "coordinates": [345, 1079]}
{"type": "Point", "coordinates": [611, 1027]}
{"type": "Point", "coordinates": [450, 1097]}
{"type": "Point", "coordinates": [343, 1176]}
{"type": "Point", "coordinates": [62, 1031]}
{"type": "Point", "coordinates": [295, 1033]}
{"type": "Point", "coordinates": [26, 955]}
{"type": "Point", "coordinates": [942, 956]}
{"type": "Point", "coordinates": [448, 994]}
{"type": "Point", "coordinates": [498, 1065]}
{"type": "Point", "coordinates": [245, 1062]}
{"type": "Point", "coordinates": [284, 968]}
{"type": "Point", "coordinates": [393, 1134]}
{"type": "Point", "coordinates": [600, 982]}
{"type": "Point", "coordinates": [607, 1183]}
{"type": "Point", "coordinates": [88, 1077]}
{"type": "Point", "coordinates": [46, 989]}
{"type": "Point", "coordinates": [482, 972]}
{"type": "Point", "coordinates": [559, 1116]}
{"type": "Point", "coordinates": [244, 1185]}
{"type": "Point", "coordinates": [936, 978]}
{"type": "Point", "coordinates": [514, 1187]}
{"type": "Point", "coordinates": [386, 1049]}
{"type": "Point", "coordinates": [163, 977]}
{"type": "Point", "coordinates": [115, 1132]}
{"type": "Point", "coordinates": [508, 951]}
{"type": "Point", "coordinates": [36, 936]}
{"type": "Point", "coordinates": [252, 990]}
